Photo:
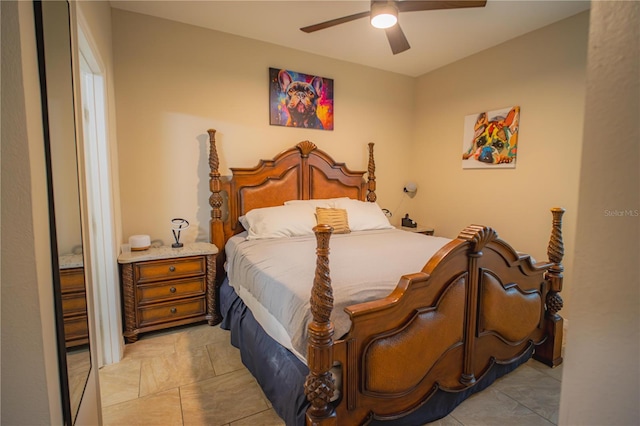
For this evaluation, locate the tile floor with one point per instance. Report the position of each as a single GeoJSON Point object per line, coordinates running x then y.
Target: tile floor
{"type": "Point", "coordinates": [193, 376]}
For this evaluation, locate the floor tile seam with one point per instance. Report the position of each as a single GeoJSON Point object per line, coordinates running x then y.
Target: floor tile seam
{"type": "Point", "coordinates": [206, 347]}
{"type": "Point", "coordinates": [123, 363]}
{"type": "Point", "coordinates": [195, 380]}
{"type": "Point", "coordinates": [191, 349]}
{"type": "Point", "coordinates": [105, 406]}
{"type": "Point", "coordinates": [539, 372]}
{"type": "Point", "coordinates": [524, 405]}
{"type": "Point", "coordinates": [451, 414]}
{"type": "Point", "coordinates": [148, 396]}
{"type": "Point", "coordinates": [249, 415]}
{"type": "Point", "coordinates": [546, 370]}
{"type": "Point", "coordinates": [140, 379]}
{"type": "Point", "coordinates": [209, 354]}
{"type": "Point", "coordinates": [206, 343]}
{"type": "Point", "coordinates": [228, 372]}
{"type": "Point", "coordinates": [232, 421]}
{"type": "Point", "coordinates": [181, 408]}
{"type": "Point", "coordinates": [106, 395]}
{"type": "Point", "coordinates": [552, 376]}
{"type": "Point", "coordinates": [179, 385]}
{"type": "Point", "coordinates": [536, 412]}
{"type": "Point", "coordinates": [225, 367]}
{"type": "Point", "coordinates": [112, 406]}
{"type": "Point", "coordinates": [148, 362]}
{"type": "Point", "coordinates": [518, 400]}
{"type": "Point", "coordinates": [191, 379]}
{"type": "Point", "coordinates": [183, 384]}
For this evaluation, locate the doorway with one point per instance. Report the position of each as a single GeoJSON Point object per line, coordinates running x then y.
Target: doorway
{"type": "Point", "coordinates": [106, 288]}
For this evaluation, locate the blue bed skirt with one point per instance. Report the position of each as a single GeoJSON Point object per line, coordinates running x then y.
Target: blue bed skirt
{"type": "Point", "coordinates": [281, 374]}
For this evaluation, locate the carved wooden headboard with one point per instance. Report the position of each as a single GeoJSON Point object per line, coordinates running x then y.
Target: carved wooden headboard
{"type": "Point", "coordinates": [300, 173]}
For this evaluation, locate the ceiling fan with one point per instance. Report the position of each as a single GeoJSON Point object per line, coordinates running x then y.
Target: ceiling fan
{"type": "Point", "coordinates": [387, 11]}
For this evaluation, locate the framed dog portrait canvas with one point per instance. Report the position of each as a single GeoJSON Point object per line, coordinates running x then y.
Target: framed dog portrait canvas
{"type": "Point", "coordinates": [300, 100]}
{"type": "Point", "coordinates": [491, 139]}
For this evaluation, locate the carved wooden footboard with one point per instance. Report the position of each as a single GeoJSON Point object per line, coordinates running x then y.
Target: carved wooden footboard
{"type": "Point", "coordinates": [475, 304]}
{"type": "Point", "coordinates": [476, 309]}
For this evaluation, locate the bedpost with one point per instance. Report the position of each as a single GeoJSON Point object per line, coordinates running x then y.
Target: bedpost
{"type": "Point", "coordinates": [550, 351]}
{"type": "Point", "coordinates": [478, 237]}
{"type": "Point", "coordinates": [319, 385]}
{"type": "Point", "coordinates": [216, 231]}
{"type": "Point", "coordinates": [371, 176]}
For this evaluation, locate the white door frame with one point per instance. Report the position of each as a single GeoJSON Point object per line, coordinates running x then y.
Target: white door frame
{"type": "Point", "coordinates": [102, 239]}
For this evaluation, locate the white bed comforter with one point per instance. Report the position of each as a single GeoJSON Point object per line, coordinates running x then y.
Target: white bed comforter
{"type": "Point", "coordinates": [274, 277]}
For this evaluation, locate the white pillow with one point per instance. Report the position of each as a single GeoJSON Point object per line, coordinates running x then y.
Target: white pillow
{"type": "Point", "coordinates": [363, 215]}
{"type": "Point", "coordinates": [280, 221]}
{"type": "Point", "coordinates": [326, 203]}
{"type": "Point", "coordinates": [243, 221]}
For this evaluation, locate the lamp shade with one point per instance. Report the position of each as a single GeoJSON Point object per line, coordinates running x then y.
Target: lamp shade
{"type": "Point", "coordinates": [383, 15]}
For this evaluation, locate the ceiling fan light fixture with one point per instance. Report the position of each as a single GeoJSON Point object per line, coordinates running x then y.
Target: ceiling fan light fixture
{"type": "Point", "coordinates": [384, 15]}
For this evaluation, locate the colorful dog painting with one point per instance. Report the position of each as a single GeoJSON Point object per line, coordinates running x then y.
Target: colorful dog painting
{"type": "Point", "coordinates": [491, 138]}
{"type": "Point", "coordinates": [300, 100]}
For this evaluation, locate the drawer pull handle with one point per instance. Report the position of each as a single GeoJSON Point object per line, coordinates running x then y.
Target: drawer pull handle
{"type": "Point", "coordinates": [172, 268]}
{"type": "Point", "coordinates": [174, 310]}
{"type": "Point", "coordinates": [172, 289]}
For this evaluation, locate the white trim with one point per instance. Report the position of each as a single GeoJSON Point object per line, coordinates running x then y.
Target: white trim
{"type": "Point", "coordinates": [99, 183]}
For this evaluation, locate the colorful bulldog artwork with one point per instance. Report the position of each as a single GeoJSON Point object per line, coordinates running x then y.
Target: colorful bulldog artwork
{"type": "Point", "coordinates": [300, 100]}
{"type": "Point", "coordinates": [491, 139]}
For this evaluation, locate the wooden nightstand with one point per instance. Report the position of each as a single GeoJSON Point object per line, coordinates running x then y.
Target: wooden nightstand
{"type": "Point", "coordinates": [165, 287]}
{"type": "Point", "coordinates": [418, 230]}
{"type": "Point", "coordinates": [74, 302]}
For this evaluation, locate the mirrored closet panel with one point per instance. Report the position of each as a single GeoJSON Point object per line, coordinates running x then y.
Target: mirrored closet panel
{"type": "Point", "coordinates": [53, 35]}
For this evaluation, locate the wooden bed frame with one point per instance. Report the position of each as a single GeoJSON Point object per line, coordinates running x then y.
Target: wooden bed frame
{"type": "Point", "coordinates": [477, 303]}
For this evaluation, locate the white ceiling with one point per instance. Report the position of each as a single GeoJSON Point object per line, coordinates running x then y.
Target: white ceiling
{"type": "Point", "coordinates": [437, 37]}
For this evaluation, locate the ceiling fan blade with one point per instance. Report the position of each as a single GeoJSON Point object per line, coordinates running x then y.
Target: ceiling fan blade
{"type": "Point", "coordinates": [417, 5]}
{"type": "Point", "coordinates": [397, 39]}
{"type": "Point", "coordinates": [334, 22]}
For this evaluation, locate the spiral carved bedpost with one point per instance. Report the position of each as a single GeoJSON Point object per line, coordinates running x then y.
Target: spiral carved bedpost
{"type": "Point", "coordinates": [319, 385]}
{"type": "Point", "coordinates": [550, 351]}
{"type": "Point", "coordinates": [215, 200]}
{"type": "Point", "coordinates": [371, 176]}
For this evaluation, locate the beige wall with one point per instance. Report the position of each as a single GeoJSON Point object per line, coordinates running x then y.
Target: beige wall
{"type": "Point", "coordinates": [175, 81]}
{"type": "Point", "coordinates": [30, 381]}
{"type": "Point", "coordinates": [601, 380]}
{"type": "Point", "coordinates": [543, 72]}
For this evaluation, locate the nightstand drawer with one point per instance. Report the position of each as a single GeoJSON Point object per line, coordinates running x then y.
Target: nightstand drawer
{"type": "Point", "coordinates": [71, 280]}
{"type": "Point", "coordinates": [75, 329]}
{"type": "Point", "coordinates": [73, 304]}
{"type": "Point", "coordinates": [148, 293]}
{"type": "Point", "coordinates": [167, 269]}
{"type": "Point", "coordinates": [171, 311]}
